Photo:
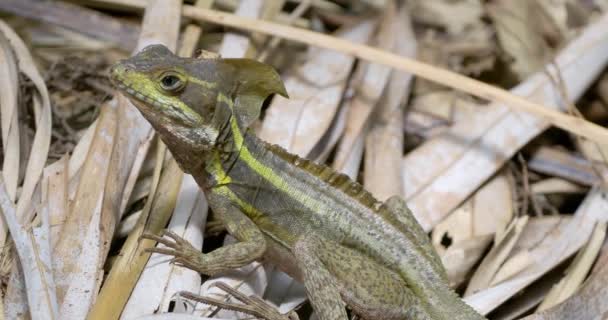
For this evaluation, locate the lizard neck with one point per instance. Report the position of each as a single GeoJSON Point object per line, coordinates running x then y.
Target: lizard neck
{"type": "Point", "coordinates": [217, 167]}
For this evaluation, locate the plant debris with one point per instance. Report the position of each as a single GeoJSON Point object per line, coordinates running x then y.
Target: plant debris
{"type": "Point", "coordinates": [512, 185]}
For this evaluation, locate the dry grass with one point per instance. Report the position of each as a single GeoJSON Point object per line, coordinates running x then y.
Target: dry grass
{"type": "Point", "coordinates": [449, 104]}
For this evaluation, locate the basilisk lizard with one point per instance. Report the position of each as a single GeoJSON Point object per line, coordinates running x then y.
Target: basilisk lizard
{"type": "Point", "coordinates": [348, 248]}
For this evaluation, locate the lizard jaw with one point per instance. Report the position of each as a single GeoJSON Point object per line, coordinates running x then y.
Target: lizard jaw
{"type": "Point", "coordinates": [148, 100]}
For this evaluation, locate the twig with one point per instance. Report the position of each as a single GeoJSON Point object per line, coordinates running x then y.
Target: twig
{"type": "Point", "coordinates": [555, 162]}
{"type": "Point", "coordinates": [477, 88]}
{"type": "Point", "coordinates": [275, 41]}
{"type": "Point", "coordinates": [450, 79]}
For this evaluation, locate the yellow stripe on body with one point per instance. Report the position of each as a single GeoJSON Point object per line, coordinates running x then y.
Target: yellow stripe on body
{"type": "Point", "coordinates": [223, 180]}
{"type": "Point", "coordinates": [282, 236]}
{"type": "Point", "coordinates": [266, 172]}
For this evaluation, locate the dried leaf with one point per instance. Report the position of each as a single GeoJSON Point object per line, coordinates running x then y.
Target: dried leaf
{"type": "Point", "coordinates": [33, 248]}
{"type": "Point", "coordinates": [35, 163]}
{"type": "Point", "coordinates": [461, 256]}
{"type": "Point", "coordinates": [368, 88]}
{"type": "Point", "coordinates": [384, 144]}
{"type": "Point", "coordinates": [563, 164]}
{"type": "Point", "coordinates": [83, 210]}
{"type": "Point", "coordinates": [518, 34]}
{"type": "Point", "coordinates": [160, 25]}
{"type": "Point", "coordinates": [455, 16]}
{"type": "Point", "coordinates": [588, 303]}
{"type": "Point", "coordinates": [455, 164]}
{"type": "Point", "coordinates": [555, 185]}
{"type": "Point", "coordinates": [578, 270]}
{"type": "Point", "coordinates": [492, 262]}
{"type": "Point", "coordinates": [9, 116]}
{"type": "Point", "coordinates": [566, 239]}
{"type": "Point", "coordinates": [315, 90]}
{"type": "Point", "coordinates": [160, 281]}
{"type": "Point", "coordinates": [235, 45]}
{"type": "Point", "coordinates": [471, 227]}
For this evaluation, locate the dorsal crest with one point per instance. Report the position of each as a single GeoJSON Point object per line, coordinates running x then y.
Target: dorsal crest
{"type": "Point", "coordinates": [336, 179]}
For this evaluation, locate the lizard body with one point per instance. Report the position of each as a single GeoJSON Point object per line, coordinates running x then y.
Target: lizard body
{"type": "Point", "coordinates": [314, 223]}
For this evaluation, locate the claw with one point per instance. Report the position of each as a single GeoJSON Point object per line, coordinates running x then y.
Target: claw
{"type": "Point", "coordinates": [251, 305]}
{"type": "Point", "coordinates": [179, 261]}
{"type": "Point", "coordinates": [165, 251]}
{"type": "Point", "coordinates": [158, 239]}
{"type": "Point", "coordinates": [172, 235]}
{"type": "Point", "coordinates": [174, 240]}
{"type": "Point", "coordinates": [231, 291]}
{"type": "Point", "coordinates": [183, 253]}
{"type": "Point", "coordinates": [150, 236]}
{"type": "Point", "coordinates": [178, 241]}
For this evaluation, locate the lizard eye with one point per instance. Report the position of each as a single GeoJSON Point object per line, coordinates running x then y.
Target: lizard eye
{"type": "Point", "coordinates": [171, 82]}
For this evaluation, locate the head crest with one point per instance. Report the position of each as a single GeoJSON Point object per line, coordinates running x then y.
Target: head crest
{"type": "Point", "coordinates": [253, 83]}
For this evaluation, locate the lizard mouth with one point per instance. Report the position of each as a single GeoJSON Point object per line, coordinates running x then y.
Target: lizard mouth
{"type": "Point", "coordinates": [116, 76]}
{"type": "Point", "coordinates": [137, 95]}
{"type": "Point", "coordinates": [148, 103]}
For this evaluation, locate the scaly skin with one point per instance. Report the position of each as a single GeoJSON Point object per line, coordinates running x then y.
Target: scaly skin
{"type": "Point", "coordinates": [315, 224]}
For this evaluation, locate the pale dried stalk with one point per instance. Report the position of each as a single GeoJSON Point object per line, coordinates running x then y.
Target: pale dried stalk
{"type": "Point", "coordinates": [490, 265]}
{"type": "Point", "coordinates": [9, 81]}
{"type": "Point", "coordinates": [35, 164]}
{"type": "Point", "coordinates": [577, 271]}
{"type": "Point", "coordinates": [235, 45]}
{"type": "Point", "coordinates": [369, 85]}
{"type": "Point", "coordinates": [566, 239]}
{"type": "Point", "coordinates": [556, 185]}
{"type": "Point", "coordinates": [142, 221]}
{"type": "Point", "coordinates": [589, 302]}
{"type": "Point", "coordinates": [159, 281]}
{"type": "Point", "coordinates": [192, 33]}
{"type": "Point", "coordinates": [189, 218]}
{"type": "Point", "coordinates": [77, 232]}
{"type": "Point", "coordinates": [274, 42]}
{"type": "Point", "coordinates": [453, 165]}
{"type": "Point", "coordinates": [251, 276]}
{"type": "Point", "coordinates": [472, 226]}
{"type": "Point", "coordinates": [42, 109]}
{"type": "Point", "coordinates": [55, 185]}
{"type": "Point", "coordinates": [160, 25]}
{"type": "Point", "coordinates": [315, 89]}
{"type": "Point", "coordinates": [126, 270]}
{"type": "Point", "coordinates": [453, 80]}
{"type": "Point", "coordinates": [34, 256]}
{"type": "Point", "coordinates": [461, 256]}
{"type": "Point", "coordinates": [80, 19]}
{"type": "Point", "coordinates": [384, 145]}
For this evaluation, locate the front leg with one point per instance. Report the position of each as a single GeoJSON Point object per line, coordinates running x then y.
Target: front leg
{"type": "Point", "coordinates": [251, 247]}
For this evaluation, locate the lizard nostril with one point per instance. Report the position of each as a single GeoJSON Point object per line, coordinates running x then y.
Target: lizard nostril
{"type": "Point", "coordinates": [118, 69]}
{"type": "Point", "coordinates": [115, 70]}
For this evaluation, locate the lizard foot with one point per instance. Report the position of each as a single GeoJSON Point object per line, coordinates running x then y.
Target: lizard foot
{"type": "Point", "coordinates": [184, 254]}
{"type": "Point", "coordinates": [251, 305]}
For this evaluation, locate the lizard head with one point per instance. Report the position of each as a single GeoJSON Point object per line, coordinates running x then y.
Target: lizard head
{"type": "Point", "coordinates": [188, 100]}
